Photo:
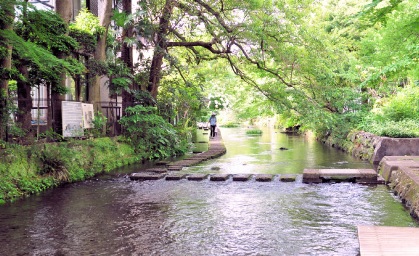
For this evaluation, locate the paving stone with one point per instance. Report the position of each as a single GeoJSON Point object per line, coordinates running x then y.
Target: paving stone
{"type": "Point", "coordinates": [287, 177]}
{"type": "Point", "coordinates": [175, 176]}
{"type": "Point", "coordinates": [219, 177]}
{"type": "Point", "coordinates": [197, 176]}
{"type": "Point", "coordinates": [263, 177]}
{"type": "Point", "coordinates": [241, 177]}
{"type": "Point", "coordinates": [146, 176]}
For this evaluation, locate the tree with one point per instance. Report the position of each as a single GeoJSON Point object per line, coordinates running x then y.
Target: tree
{"type": "Point", "coordinates": [105, 15]}
{"type": "Point", "coordinates": [6, 24]}
{"type": "Point", "coordinates": [39, 37]}
{"type": "Point", "coordinates": [208, 29]}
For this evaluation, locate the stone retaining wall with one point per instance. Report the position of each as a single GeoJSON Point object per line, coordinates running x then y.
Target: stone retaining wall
{"type": "Point", "coordinates": [401, 174]}
{"type": "Point", "coordinates": [373, 148]}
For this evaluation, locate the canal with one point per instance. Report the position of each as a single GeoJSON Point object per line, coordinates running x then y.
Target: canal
{"type": "Point", "coordinates": [111, 215]}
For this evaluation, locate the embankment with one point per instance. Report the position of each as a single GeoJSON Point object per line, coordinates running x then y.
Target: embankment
{"type": "Point", "coordinates": [397, 160]}
{"type": "Point", "coordinates": [373, 148]}
{"type": "Point", "coordinates": [26, 170]}
{"type": "Point", "coordinates": [401, 173]}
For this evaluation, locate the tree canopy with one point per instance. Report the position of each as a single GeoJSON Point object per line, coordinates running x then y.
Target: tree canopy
{"type": "Point", "coordinates": [327, 66]}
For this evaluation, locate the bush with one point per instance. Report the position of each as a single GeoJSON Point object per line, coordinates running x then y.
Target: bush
{"type": "Point", "coordinates": [149, 132]}
{"type": "Point", "coordinates": [404, 105]}
{"type": "Point", "coordinates": [397, 117]}
{"type": "Point", "coordinates": [395, 129]}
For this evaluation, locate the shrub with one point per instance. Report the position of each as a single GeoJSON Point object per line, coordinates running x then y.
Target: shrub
{"type": "Point", "coordinates": [395, 129]}
{"type": "Point", "coordinates": [149, 132]}
{"type": "Point", "coordinates": [404, 105]}
{"type": "Point", "coordinates": [99, 125]}
{"type": "Point", "coordinates": [53, 163]}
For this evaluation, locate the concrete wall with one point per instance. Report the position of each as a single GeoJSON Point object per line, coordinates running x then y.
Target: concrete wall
{"type": "Point", "coordinates": [401, 174]}
{"type": "Point", "coordinates": [373, 148]}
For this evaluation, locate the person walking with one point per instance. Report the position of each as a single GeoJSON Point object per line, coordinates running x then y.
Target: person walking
{"type": "Point", "coordinates": [213, 124]}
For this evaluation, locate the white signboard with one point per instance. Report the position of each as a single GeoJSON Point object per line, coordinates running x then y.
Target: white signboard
{"type": "Point", "coordinates": [76, 117]}
{"type": "Point", "coordinates": [87, 115]}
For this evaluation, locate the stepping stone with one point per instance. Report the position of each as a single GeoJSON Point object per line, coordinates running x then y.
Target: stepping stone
{"type": "Point", "coordinates": [156, 170]}
{"type": "Point", "coordinates": [287, 177]}
{"type": "Point", "coordinates": [263, 177]}
{"type": "Point", "coordinates": [197, 176]}
{"type": "Point", "coordinates": [364, 176]}
{"type": "Point", "coordinates": [146, 176]}
{"type": "Point", "coordinates": [175, 176]}
{"type": "Point", "coordinates": [174, 168]}
{"type": "Point", "coordinates": [219, 177]}
{"type": "Point", "coordinates": [241, 177]}
{"type": "Point", "coordinates": [162, 163]}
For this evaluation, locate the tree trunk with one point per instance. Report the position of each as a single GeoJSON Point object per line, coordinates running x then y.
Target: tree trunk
{"type": "Point", "coordinates": [64, 9]}
{"type": "Point", "coordinates": [160, 49]}
{"type": "Point", "coordinates": [105, 15]}
{"type": "Point", "coordinates": [126, 56]}
{"type": "Point", "coordinates": [24, 115]}
{"type": "Point", "coordinates": [6, 65]}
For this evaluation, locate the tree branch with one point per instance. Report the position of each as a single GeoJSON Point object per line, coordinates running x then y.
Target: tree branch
{"type": "Point", "coordinates": [207, 45]}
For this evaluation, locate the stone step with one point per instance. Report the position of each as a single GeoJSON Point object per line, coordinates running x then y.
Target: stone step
{"type": "Point", "coordinates": [364, 176]}
{"type": "Point", "coordinates": [219, 177]}
{"type": "Point", "coordinates": [174, 168]}
{"type": "Point", "coordinates": [156, 170]}
{"type": "Point", "coordinates": [287, 177]}
{"type": "Point", "coordinates": [175, 176]}
{"type": "Point", "coordinates": [197, 176]}
{"type": "Point", "coordinates": [263, 177]}
{"type": "Point", "coordinates": [146, 176]}
{"type": "Point", "coordinates": [241, 177]}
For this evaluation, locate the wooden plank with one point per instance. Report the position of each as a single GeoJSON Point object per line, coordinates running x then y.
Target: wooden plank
{"type": "Point", "coordinates": [388, 241]}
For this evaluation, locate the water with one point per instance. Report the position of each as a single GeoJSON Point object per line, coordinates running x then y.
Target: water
{"type": "Point", "coordinates": [111, 215]}
{"type": "Point", "coordinates": [262, 154]}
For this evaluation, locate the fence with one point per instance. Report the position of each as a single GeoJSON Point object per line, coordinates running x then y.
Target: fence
{"type": "Point", "coordinates": [110, 109]}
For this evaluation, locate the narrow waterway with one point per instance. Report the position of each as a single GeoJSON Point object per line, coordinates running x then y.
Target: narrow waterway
{"type": "Point", "coordinates": [111, 215]}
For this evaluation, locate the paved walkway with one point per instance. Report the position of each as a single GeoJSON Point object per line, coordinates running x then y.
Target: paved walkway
{"type": "Point", "coordinates": [216, 148]}
{"type": "Point", "coordinates": [391, 241]}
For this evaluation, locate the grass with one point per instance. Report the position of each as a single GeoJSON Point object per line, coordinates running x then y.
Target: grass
{"type": "Point", "coordinates": [254, 132]}
{"type": "Point", "coordinates": [230, 125]}
{"type": "Point", "coordinates": [26, 170]}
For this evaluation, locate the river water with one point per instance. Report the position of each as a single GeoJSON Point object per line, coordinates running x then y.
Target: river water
{"type": "Point", "coordinates": [111, 215]}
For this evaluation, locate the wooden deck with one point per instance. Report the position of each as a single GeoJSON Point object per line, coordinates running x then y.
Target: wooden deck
{"type": "Point", "coordinates": [388, 241]}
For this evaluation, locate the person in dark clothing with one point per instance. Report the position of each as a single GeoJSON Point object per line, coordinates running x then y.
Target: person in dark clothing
{"type": "Point", "coordinates": [213, 124]}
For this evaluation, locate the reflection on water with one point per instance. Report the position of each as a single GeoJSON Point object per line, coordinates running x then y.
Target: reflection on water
{"type": "Point", "coordinates": [114, 216]}
{"type": "Point", "coordinates": [262, 154]}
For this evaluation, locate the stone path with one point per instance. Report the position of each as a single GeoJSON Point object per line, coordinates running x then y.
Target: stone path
{"type": "Point", "coordinates": [216, 148]}
{"type": "Point", "coordinates": [362, 176]}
